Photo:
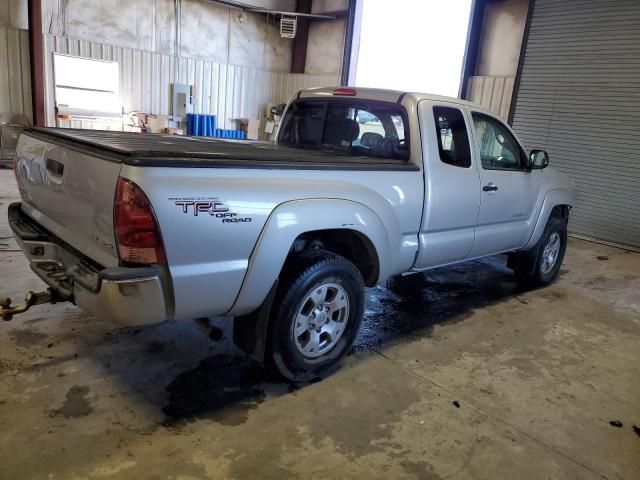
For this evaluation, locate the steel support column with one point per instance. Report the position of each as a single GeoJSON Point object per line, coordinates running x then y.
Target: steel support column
{"type": "Point", "coordinates": [36, 55]}
{"type": "Point", "coordinates": [299, 54]}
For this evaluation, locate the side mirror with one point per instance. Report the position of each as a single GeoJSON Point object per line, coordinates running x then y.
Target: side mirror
{"type": "Point", "coordinates": [538, 159]}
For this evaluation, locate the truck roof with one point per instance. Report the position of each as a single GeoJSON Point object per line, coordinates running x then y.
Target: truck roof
{"type": "Point", "coordinates": [379, 94]}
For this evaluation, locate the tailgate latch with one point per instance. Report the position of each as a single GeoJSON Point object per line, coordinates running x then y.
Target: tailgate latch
{"type": "Point", "coordinates": [7, 311]}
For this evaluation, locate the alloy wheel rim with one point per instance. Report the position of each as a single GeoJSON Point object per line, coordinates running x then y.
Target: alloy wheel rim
{"type": "Point", "coordinates": [321, 320]}
{"type": "Point", "coordinates": [550, 253]}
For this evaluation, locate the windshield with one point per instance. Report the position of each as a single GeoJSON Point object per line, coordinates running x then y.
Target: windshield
{"type": "Point", "coordinates": [348, 127]}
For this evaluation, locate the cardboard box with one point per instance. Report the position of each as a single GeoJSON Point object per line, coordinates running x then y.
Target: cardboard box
{"type": "Point", "coordinates": [250, 126]}
{"type": "Point", "coordinates": [156, 123]}
{"type": "Point", "coordinates": [152, 123]}
{"type": "Point", "coordinates": [139, 119]}
{"type": "Point", "coordinates": [173, 131]}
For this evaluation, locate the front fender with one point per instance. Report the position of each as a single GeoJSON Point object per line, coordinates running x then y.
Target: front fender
{"type": "Point", "coordinates": [553, 198]}
{"type": "Point", "coordinates": [288, 221]}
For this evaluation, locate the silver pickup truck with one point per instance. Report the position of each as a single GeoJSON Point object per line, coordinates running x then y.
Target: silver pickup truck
{"type": "Point", "coordinates": [361, 185]}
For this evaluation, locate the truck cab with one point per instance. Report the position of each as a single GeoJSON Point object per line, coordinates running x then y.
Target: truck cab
{"type": "Point", "coordinates": [480, 187]}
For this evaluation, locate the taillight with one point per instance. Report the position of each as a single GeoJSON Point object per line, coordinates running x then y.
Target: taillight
{"type": "Point", "coordinates": [137, 232]}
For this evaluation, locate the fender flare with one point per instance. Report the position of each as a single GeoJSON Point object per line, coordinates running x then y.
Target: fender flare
{"type": "Point", "coordinates": [553, 198]}
{"type": "Point", "coordinates": [288, 221]}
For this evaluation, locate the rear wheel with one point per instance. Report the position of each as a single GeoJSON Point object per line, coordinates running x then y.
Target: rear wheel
{"type": "Point", "coordinates": [317, 315]}
{"type": "Point", "coordinates": [540, 266]}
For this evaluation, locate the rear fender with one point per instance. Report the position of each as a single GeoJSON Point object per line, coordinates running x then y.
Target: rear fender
{"type": "Point", "coordinates": [288, 221]}
{"type": "Point", "coordinates": [552, 199]}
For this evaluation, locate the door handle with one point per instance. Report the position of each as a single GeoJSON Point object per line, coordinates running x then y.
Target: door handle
{"type": "Point", "coordinates": [489, 188]}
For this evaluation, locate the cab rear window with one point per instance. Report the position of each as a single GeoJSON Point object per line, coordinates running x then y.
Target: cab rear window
{"type": "Point", "coordinates": [349, 127]}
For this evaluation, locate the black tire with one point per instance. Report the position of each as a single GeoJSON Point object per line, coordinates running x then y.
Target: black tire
{"type": "Point", "coordinates": [301, 276]}
{"type": "Point", "coordinates": [530, 267]}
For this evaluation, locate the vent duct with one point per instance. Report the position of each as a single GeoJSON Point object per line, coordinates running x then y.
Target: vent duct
{"type": "Point", "coordinates": [288, 26]}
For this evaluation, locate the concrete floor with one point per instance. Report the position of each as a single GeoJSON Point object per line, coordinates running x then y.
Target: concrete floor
{"type": "Point", "coordinates": [455, 374]}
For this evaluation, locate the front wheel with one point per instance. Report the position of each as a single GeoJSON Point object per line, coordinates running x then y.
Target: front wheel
{"type": "Point", "coordinates": [540, 266]}
{"type": "Point", "coordinates": [317, 315]}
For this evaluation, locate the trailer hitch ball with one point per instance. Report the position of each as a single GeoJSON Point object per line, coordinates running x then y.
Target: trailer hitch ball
{"type": "Point", "coordinates": [7, 311]}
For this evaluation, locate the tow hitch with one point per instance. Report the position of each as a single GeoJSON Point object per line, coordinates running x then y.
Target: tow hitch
{"type": "Point", "coordinates": [31, 299]}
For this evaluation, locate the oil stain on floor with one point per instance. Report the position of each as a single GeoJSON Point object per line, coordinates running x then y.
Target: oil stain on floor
{"type": "Point", "coordinates": [75, 405]}
{"type": "Point", "coordinates": [221, 388]}
{"type": "Point", "coordinates": [26, 337]}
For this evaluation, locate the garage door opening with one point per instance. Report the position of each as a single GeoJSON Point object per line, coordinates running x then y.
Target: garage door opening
{"type": "Point", "coordinates": [413, 45]}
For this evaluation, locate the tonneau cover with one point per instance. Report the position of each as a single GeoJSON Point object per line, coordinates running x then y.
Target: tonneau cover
{"type": "Point", "coordinates": [180, 151]}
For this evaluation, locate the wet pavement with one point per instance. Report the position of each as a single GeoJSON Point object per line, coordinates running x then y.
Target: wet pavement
{"type": "Point", "coordinates": [412, 305]}
{"type": "Point", "coordinates": [456, 373]}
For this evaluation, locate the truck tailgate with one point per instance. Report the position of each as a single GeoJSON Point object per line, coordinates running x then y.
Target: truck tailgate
{"type": "Point", "coordinates": [70, 193]}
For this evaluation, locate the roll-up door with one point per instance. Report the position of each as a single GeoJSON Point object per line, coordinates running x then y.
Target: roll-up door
{"type": "Point", "coordinates": [579, 98]}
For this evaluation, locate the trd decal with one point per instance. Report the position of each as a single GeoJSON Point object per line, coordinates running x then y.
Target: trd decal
{"type": "Point", "coordinates": [211, 206]}
{"type": "Point", "coordinates": [202, 206]}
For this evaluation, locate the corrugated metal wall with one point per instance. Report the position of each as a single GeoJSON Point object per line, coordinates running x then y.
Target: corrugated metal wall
{"type": "Point", "coordinates": [492, 92]}
{"type": "Point", "coordinates": [15, 76]}
{"type": "Point", "coordinates": [579, 98]}
{"type": "Point", "coordinates": [224, 90]}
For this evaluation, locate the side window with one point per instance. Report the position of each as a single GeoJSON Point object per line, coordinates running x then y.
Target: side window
{"type": "Point", "coordinates": [451, 132]}
{"type": "Point", "coordinates": [499, 149]}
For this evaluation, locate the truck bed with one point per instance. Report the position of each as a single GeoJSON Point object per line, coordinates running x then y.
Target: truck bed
{"type": "Point", "coordinates": [179, 151]}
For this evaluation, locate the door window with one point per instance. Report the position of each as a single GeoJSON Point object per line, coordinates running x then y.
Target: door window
{"type": "Point", "coordinates": [499, 149]}
{"type": "Point", "coordinates": [451, 132]}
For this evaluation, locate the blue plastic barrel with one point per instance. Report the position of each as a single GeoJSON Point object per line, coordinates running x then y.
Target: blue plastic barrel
{"type": "Point", "coordinates": [202, 121]}
{"type": "Point", "coordinates": [190, 123]}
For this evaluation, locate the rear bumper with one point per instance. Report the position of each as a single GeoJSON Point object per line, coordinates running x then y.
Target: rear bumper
{"type": "Point", "coordinates": [128, 296]}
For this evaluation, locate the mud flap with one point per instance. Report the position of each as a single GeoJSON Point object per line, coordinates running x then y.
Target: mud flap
{"type": "Point", "coordinates": [250, 331]}
{"type": "Point", "coordinates": [525, 261]}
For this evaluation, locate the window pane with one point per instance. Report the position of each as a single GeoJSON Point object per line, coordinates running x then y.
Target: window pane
{"type": "Point", "coordinates": [451, 132]}
{"type": "Point", "coordinates": [86, 84]}
{"type": "Point", "coordinates": [348, 127]}
{"type": "Point", "coordinates": [499, 150]}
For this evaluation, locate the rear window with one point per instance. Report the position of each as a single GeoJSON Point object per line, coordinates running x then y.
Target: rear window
{"type": "Point", "coordinates": [348, 127]}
